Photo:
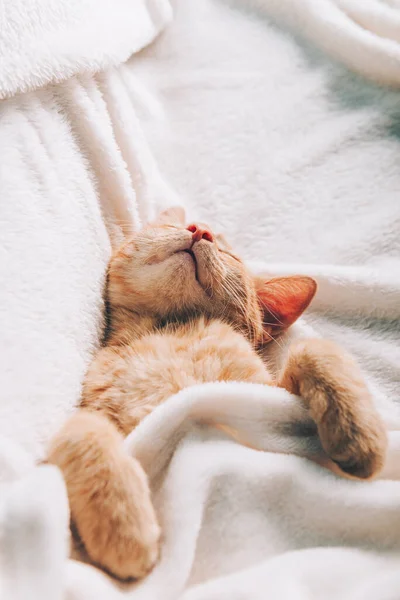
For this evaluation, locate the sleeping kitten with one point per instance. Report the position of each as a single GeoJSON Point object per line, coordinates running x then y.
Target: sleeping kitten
{"type": "Point", "coordinates": [184, 310]}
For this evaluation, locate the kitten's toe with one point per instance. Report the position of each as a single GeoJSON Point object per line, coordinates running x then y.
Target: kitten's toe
{"type": "Point", "coordinates": [126, 559]}
{"type": "Point", "coordinates": [362, 467]}
{"type": "Point", "coordinates": [361, 452]}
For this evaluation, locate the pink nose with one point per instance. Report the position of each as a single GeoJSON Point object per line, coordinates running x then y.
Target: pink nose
{"type": "Point", "coordinates": [200, 233]}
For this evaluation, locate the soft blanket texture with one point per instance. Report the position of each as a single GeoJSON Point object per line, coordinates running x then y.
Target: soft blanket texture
{"type": "Point", "coordinates": [43, 41]}
{"type": "Point", "coordinates": [364, 35]}
{"type": "Point", "coordinates": [297, 160]}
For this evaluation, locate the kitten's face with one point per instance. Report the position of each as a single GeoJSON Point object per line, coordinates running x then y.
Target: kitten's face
{"type": "Point", "coordinates": [173, 270]}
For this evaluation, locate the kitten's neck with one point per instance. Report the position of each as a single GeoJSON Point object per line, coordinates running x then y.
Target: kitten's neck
{"type": "Point", "coordinates": [125, 325]}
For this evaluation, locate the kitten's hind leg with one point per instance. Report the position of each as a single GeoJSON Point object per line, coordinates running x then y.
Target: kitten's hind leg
{"type": "Point", "coordinates": [108, 494]}
{"type": "Point", "coordinates": [330, 383]}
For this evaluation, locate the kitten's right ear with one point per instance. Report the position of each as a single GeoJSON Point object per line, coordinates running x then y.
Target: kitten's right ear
{"type": "Point", "coordinates": [174, 215]}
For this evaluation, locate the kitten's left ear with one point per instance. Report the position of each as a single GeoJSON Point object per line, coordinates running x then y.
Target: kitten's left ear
{"type": "Point", "coordinates": [284, 299]}
{"type": "Point", "coordinates": [174, 215]}
{"type": "Point", "coordinates": [117, 235]}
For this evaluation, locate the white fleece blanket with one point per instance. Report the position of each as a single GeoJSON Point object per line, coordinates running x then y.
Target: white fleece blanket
{"type": "Point", "coordinates": [46, 41]}
{"type": "Point", "coordinates": [297, 160]}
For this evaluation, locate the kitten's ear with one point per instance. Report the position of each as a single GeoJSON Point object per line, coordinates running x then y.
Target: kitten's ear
{"type": "Point", "coordinates": [284, 299]}
{"type": "Point", "coordinates": [117, 235]}
{"type": "Point", "coordinates": [174, 215]}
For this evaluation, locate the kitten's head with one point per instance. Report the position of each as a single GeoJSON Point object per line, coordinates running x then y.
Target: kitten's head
{"type": "Point", "coordinates": [172, 270]}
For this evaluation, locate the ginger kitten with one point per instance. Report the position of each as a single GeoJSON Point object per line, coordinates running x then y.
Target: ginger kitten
{"type": "Point", "coordinates": [184, 310]}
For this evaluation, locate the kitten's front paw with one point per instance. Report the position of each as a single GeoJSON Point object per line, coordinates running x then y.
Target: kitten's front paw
{"type": "Point", "coordinates": [121, 534]}
{"type": "Point", "coordinates": [124, 557]}
{"type": "Point", "coordinates": [356, 442]}
{"type": "Point", "coordinates": [123, 554]}
{"type": "Point", "coordinates": [109, 496]}
{"type": "Point", "coordinates": [350, 429]}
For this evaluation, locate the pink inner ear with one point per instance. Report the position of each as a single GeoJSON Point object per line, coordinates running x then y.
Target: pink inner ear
{"type": "Point", "coordinates": [284, 299]}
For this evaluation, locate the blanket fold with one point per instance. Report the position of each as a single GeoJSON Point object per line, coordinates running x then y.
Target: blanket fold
{"type": "Point", "coordinates": [49, 41]}
{"type": "Point", "coordinates": [364, 35]}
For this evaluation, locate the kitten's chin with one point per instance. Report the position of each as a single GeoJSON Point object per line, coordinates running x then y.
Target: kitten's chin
{"type": "Point", "coordinates": [188, 262]}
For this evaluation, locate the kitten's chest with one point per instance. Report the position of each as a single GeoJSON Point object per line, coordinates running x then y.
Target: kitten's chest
{"type": "Point", "coordinates": [137, 377]}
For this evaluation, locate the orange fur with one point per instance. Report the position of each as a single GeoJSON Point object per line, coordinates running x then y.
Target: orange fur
{"type": "Point", "coordinates": [105, 488]}
{"type": "Point", "coordinates": [184, 310]}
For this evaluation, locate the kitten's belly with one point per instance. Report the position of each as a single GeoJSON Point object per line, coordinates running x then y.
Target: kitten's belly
{"type": "Point", "coordinates": [128, 382]}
